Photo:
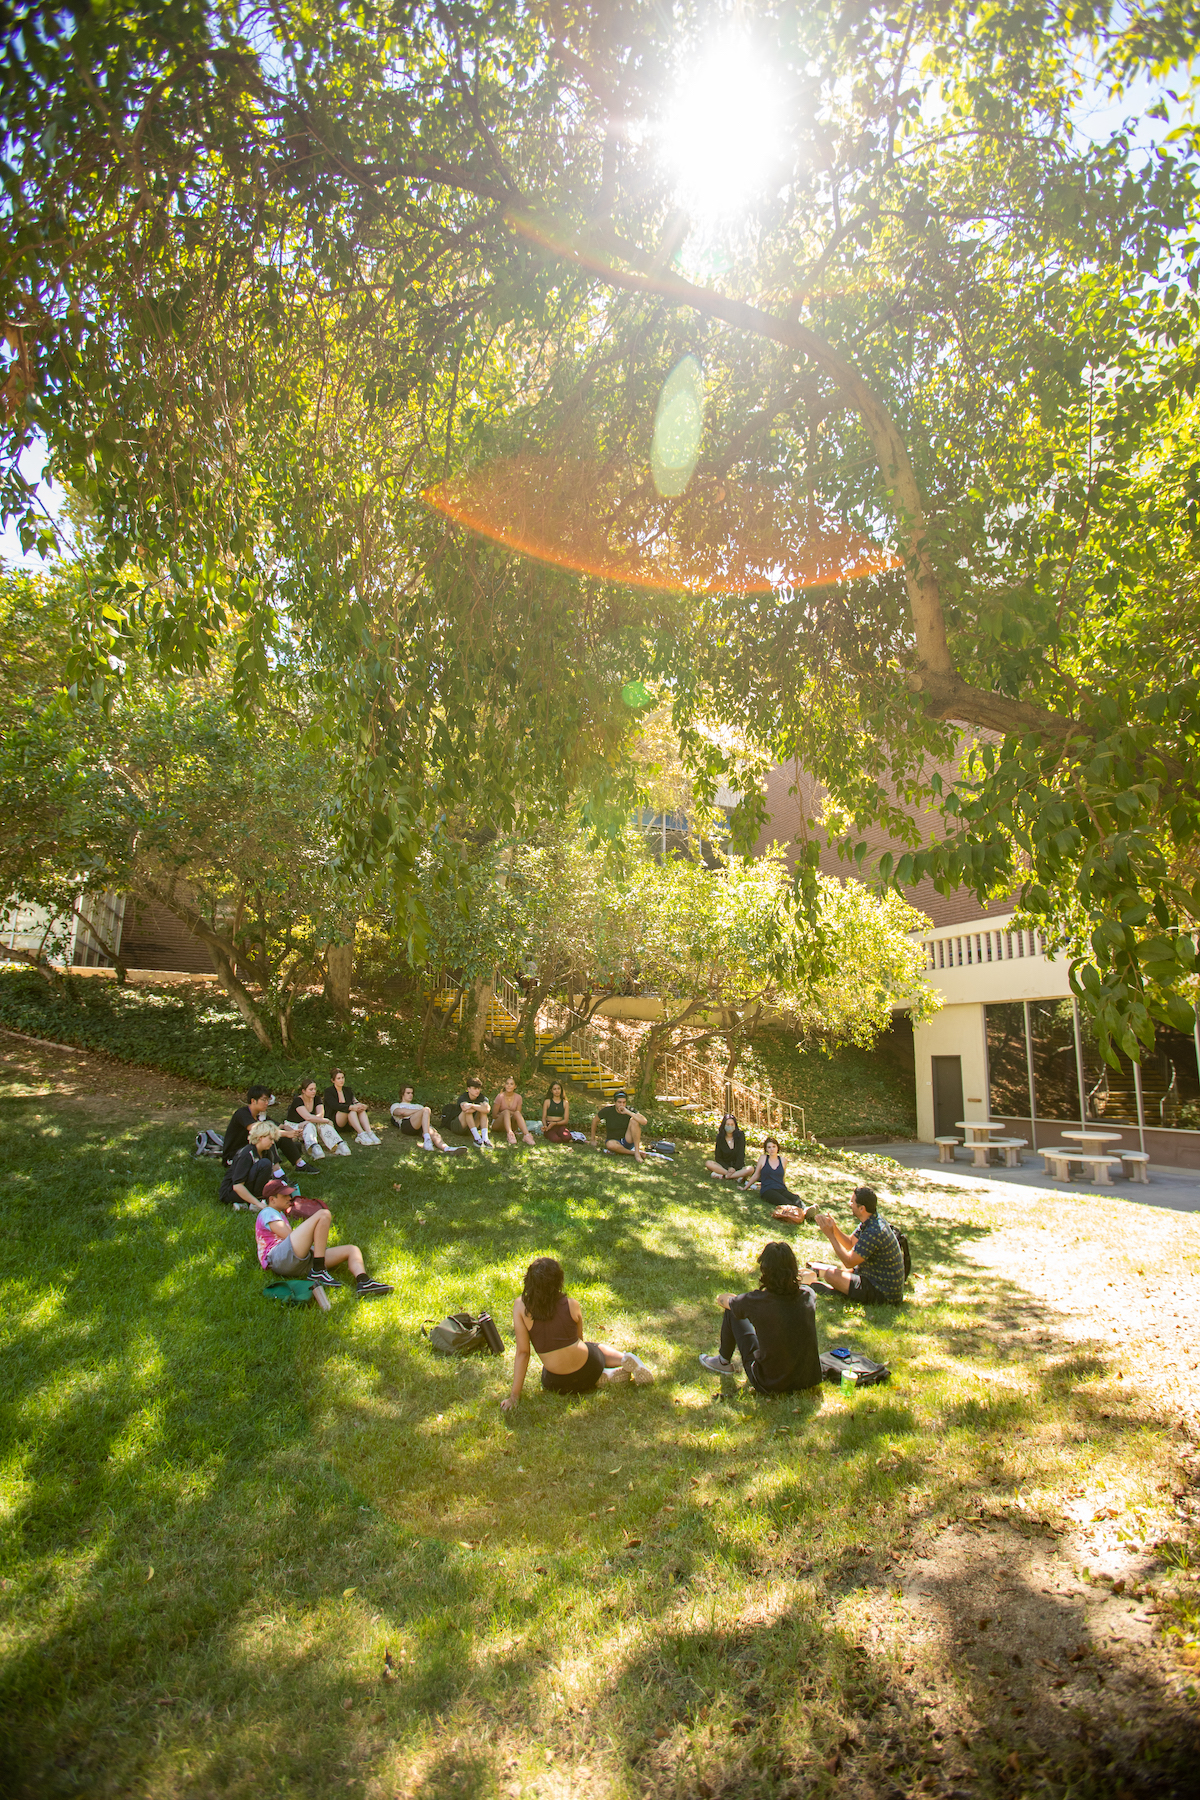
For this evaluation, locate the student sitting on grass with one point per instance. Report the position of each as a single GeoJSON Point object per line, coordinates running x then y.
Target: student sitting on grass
{"type": "Point", "coordinates": [413, 1120]}
{"type": "Point", "coordinates": [728, 1160]}
{"type": "Point", "coordinates": [550, 1321]}
{"type": "Point", "coordinates": [873, 1271]}
{"type": "Point", "coordinates": [507, 1115]}
{"type": "Point", "coordinates": [622, 1128]}
{"type": "Point", "coordinates": [308, 1113]}
{"type": "Point", "coordinates": [556, 1117]}
{"type": "Point", "coordinates": [258, 1099]}
{"type": "Point", "coordinates": [305, 1254]}
{"type": "Point", "coordinates": [343, 1109]}
{"type": "Point", "coordinates": [774, 1328]}
{"type": "Point", "coordinates": [469, 1114]}
{"type": "Point", "coordinates": [768, 1173]}
{"type": "Point", "coordinates": [252, 1167]}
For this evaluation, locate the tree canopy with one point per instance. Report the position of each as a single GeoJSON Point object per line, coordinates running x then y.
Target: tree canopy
{"type": "Point", "coordinates": [273, 273]}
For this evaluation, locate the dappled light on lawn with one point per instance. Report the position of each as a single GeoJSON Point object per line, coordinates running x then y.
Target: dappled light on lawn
{"type": "Point", "coordinates": [608, 520]}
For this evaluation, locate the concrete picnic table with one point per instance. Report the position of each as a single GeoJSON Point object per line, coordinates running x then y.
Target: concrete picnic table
{"type": "Point", "coordinates": [1099, 1138]}
{"type": "Point", "coordinates": [979, 1141]}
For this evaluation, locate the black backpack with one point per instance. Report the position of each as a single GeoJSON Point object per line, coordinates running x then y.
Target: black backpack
{"type": "Point", "coordinates": [866, 1372]}
{"type": "Point", "coordinates": [460, 1334]}
{"type": "Point", "coordinates": [903, 1243]}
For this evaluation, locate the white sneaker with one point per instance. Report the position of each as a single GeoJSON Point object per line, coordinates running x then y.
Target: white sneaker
{"type": "Point", "coordinates": [372, 1139]}
{"type": "Point", "coordinates": [343, 1148]}
{"type": "Point", "coordinates": [364, 1137]}
{"type": "Point", "coordinates": [619, 1374]}
{"type": "Point", "coordinates": [316, 1152]}
{"type": "Point", "coordinates": [637, 1369]}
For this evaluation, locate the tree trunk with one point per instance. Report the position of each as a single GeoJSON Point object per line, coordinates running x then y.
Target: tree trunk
{"type": "Point", "coordinates": [479, 1018]}
{"type": "Point", "coordinates": [426, 1028]}
{"type": "Point", "coordinates": [527, 1031]}
{"type": "Point", "coordinates": [653, 1045]}
{"type": "Point", "coordinates": [339, 974]}
{"type": "Point", "coordinates": [224, 954]}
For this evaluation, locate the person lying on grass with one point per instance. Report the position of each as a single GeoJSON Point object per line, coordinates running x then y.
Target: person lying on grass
{"type": "Point", "coordinates": [258, 1099]}
{"type": "Point", "coordinates": [309, 1113]}
{"type": "Point", "coordinates": [305, 1253]}
{"type": "Point", "coordinates": [873, 1262]}
{"type": "Point", "coordinates": [549, 1320]}
{"type": "Point", "coordinates": [728, 1160]}
{"type": "Point", "coordinates": [556, 1117]}
{"type": "Point", "coordinates": [768, 1174]}
{"type": "Point", "coordinates": [469, 1114]}
{"type": "Point", "coordinates": [774, 1328]}
{"type": "Point", "coordinates": [622, 1128]}
{"type": "Point", "coordinates": [413, 1120]}
{"type": "Point", "coordinates": [343, 1109]}
{"type": "Point", "coordinates": [507, 1115]}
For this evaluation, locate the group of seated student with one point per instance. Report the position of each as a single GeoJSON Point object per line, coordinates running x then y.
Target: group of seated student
{"type": "Point", "coordinates": [729, 1162]}
{"type": "Point", "coordinates": [299, 1253]}
{"type": "Point", "coordinates": [773, 1328]}
{"type": "Point", "coordinates": [312, 1125]}
{"type": "Point", "coordinates": [473, 1115]}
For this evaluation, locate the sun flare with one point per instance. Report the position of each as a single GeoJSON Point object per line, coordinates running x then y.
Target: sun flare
{"type": "Point", "coordinates": [721, 137]}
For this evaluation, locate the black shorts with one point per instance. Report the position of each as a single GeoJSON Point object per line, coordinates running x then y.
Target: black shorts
{"type": "Point", "coordinates": [409, 1129]}
{"type": "Point", "coordinates": [865, 1292]}
{"type": "Point", "coordinates": [581, 1380]}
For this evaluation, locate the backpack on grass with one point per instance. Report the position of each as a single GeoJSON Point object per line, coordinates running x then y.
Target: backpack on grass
{"type": "Point", "coordinates": [902, 1240]}
{"type": "Point", "coordinates": [866, 1373]}
{"type": "Point", "coordinates": [209, 1143]}
{"type": "Point", "coordinates": [291, 1293]}
{"type": "Point", "coordinates": [461, 1334]}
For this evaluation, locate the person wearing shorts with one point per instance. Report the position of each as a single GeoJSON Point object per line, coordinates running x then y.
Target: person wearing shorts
{"type": "Point", "coordinates": [469, 1114]}
{"type": "Point", "coordinates": [547, 1320]}
{"type": "Point", "coordinates": [556, 1117]}
{"type": "Point", "coordinates": [873, 1262]}
{"type": "Point", "coordinates": [622, 1128]}
{"type": "Point", "coordinates": [507, 1113]}
{"type": "Point", "coordinates": [342, 1106]}
{"type": "Point", "coordinates": [413, 1120]}
{"type": "Point", "coordinates": [305, 1253]}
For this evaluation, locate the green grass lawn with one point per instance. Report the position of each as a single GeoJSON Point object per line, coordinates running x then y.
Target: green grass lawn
{"type": "Point", "coordinates": [220, 1515]}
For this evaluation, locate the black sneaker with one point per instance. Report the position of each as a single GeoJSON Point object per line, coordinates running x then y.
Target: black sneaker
{"type": "Point", "coordinates": [322, 1278]}
{"type": "Point", "coordinates": [370, 1288]}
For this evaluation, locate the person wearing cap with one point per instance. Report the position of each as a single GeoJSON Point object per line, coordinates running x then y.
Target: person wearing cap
{"type": "Point", "coordinates": [622, 1128]}
{"type": "Point", "coordinates": [469, 1113]}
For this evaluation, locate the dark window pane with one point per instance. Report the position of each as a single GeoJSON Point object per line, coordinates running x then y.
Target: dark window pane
{"type": "Point", "coordinates": [1170, 1088]}
{"type": "Point", "coordinates": [1055, 1083]}
{"type": "Point", "coordinates": [1008, 1078]}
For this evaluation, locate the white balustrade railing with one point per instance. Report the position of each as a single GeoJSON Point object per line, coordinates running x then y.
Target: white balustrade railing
{"type": "Point", "coordinates": [959, 949]}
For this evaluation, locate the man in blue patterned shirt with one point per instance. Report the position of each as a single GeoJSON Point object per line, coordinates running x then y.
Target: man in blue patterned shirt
{"type": "Point", "coordinates": [874, 1262]}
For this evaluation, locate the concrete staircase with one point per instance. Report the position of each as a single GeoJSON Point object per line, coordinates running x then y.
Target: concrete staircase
{"type": "Point", "coordinates": [569, 1063]}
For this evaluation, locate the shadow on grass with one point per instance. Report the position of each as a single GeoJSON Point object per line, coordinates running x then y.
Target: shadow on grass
{"type": "Point", "coordinates": [224, 1513]}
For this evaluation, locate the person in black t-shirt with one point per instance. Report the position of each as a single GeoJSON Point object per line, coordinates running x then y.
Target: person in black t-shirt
{"type": "Point", "coordinates": [774, 1328]}
{"type": "Point", "coordinates": [728, 1160]}
{"type": "Point", "coordinates": [252, 1166]}
{"type": "Point", "coordinates": [342, 1107]}
{"type": "Point", "coordinates": [622, 1128]}
{"type": "Point", "coordinates": [258, 1099]}
{"type": "Point", "coordinates": [469, 1114]}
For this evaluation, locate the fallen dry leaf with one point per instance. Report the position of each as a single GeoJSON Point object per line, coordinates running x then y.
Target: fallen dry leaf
{"type": "Point", "coordinates": [150, 1573]}
{"type": "Point", "coordinates": [346, 1592]}
{"type": "Point", "coordinates": [347, 1705]}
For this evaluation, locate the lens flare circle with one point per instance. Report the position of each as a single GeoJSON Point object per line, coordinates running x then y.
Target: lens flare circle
{"type": "Point", "coordinates": [607, 520]}
{"type": "Point", "coordinates": [678, 428]}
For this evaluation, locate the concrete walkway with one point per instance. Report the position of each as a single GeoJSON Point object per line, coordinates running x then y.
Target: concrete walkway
{"type": "Point", "coordinates": [1173, 1188]}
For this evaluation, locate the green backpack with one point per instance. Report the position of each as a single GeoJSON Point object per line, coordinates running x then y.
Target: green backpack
{"type": "Point", "coordinates": [292, 1293]}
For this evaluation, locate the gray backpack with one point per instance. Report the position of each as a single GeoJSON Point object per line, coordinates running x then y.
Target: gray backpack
{"type": "Point", "coordinates": [460, 1334]}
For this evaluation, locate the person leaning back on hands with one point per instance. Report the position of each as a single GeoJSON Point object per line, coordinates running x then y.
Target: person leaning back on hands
{"type": "Point", "coordinates": [549, 1321]}
{"type": "Point", "coordinates": [872, 1270]}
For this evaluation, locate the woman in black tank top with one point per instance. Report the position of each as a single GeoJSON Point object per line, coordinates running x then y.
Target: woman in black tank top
{"type": "Point", "coordinates": [547, 1320]}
